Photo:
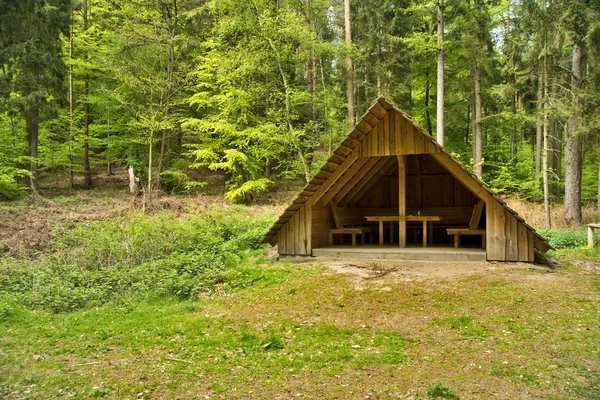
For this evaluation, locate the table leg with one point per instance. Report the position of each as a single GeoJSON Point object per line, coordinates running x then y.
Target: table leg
{"type": "Point", "coordinates": [424, 233]}
{"type": "Point", "coordinates": [380, 233]}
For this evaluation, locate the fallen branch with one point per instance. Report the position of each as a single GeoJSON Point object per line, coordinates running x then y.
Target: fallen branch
{"type": "Point", "coordinates": [178, 360]}
{"type": "Point", "coordinates": [89, 363]}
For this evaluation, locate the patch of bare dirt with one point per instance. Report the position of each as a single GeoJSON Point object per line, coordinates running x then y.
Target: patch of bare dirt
{"type": "Point", "coordinates": [408, 271]}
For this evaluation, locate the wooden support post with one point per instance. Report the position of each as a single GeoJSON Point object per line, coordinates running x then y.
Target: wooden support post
{"type": "Point", "coordinates": [591, 228]}
{"type": "Point", "coordinates": [424, 233]}
{"type": "Point", "coordinates": [402, 201]}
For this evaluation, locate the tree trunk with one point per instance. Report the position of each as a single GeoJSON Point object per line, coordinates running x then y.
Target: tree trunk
{"type": "Point", "coordinates": [540, 127]}
{"type": "Point", "coordinates": [478, 131]}
{"type": "Point", "coordinates": [86, 109]}
{"type": "Point", "coordinates": [150, 164]}
{"type": "Point", "coordinates": [598, 208]}
{"type": "Point", "coordinates": [440, 75]}
{"type": "Point", "coordinates": [573, 153]}
{"type": "Point", "coordinates": [427, 113]}
{"type": "Point", "coordinates": [171, 20]}
{"type": "Point", "coordinates": [33, 124]}
{"type": "Point", "coordinates": [349, 66]}
{"type": "Point", "coordinates": [546, 182]}
{"type": "Point", "coordinates": [71, 104]}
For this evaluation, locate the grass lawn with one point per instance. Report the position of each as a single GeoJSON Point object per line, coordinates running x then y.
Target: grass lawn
{"type": "Point", "coordinates": [308, 331]}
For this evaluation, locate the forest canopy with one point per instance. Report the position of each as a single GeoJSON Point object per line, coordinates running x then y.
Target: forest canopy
{"type": "Point", "coordinates": [259, 91]}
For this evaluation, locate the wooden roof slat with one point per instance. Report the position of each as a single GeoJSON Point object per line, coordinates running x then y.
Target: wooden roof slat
{"type": "Point", "coordinates": [329, 166]}
{"type": "Point", "coordinates": [336, 159]}
{"type": "Point", "coordinates": [369, 184]}
{"type": "Point", "coordinates": [323, 175]}
{"type": "Point", "coordinates": [343, 150]}
{"type": "Point", "coordinates": [377, 110]}
{"type": "Point", "coordinates": [356, 135]}
{"type": "Point", "coordinates": [334, 177]}
{"type": "Point", "coordinates": [350, 172]}
{"type": "Point", "coordinates": [363, 127]}
{"type": "Point", "coordinates": [351, 143]}
{"type": "Point", "coordinates": [385, 103]}
{"type": "Point", "coordinates": [371, 119]}
{"type": "Point", "coordinates": [380, 163]}
{"type": "Point", "coordinates": [356, 178]}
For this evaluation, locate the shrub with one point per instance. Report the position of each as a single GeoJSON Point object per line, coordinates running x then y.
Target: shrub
{"type": "Point", "coordinates": [441, 391]}
{"type": "Point", "coordinates": [567, 238]}
{"type": "Point", "coordinates": [116, 259]}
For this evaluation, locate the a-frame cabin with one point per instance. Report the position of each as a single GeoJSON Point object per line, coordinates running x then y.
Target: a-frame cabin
{"type": "Point", "coordinates": [391, 183]}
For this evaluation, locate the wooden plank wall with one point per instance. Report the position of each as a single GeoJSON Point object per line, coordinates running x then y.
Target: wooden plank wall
{"type": "Point", "coordinates": [508, 239]}
{"type": "Point", "coordinates": [394, 135]}
{"type": "Point", "coordinates": [294, 236]}
{"type": "Point", "coordinates": [321, 222]}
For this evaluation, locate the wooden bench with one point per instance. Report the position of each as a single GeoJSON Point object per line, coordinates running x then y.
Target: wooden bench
{"type": "Point", "coordinates": [473, 227]}
{"type": "Point", "coordinates": [350, 221]}
{"type": "Point", "coordinates": [591, 228]}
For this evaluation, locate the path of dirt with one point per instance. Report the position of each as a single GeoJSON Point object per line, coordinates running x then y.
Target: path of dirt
{"type": "Point", "coordinates": [382, 272]}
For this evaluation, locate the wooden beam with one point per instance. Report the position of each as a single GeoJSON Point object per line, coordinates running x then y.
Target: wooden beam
{"type": "Point", "coordinates": [378, 174]}
{"type": "Point", "coordinates": [463, 176]}
{"type": "Point", "coordinates": [356, 179]}
{"type": "Point", "coordinates": [402, 200]}
{"type": "Point", "coordinates": [335, 175]}
{"type": "Point", "coordinates": [359, 184]}
{"type": "Point", "coordinates": [350, 172]}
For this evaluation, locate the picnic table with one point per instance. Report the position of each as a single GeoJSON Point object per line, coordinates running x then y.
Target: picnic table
{"type": "Point", "coordinates": [425, 219]}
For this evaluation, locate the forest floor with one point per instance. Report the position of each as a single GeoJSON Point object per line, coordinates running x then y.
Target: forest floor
{"type": "Point", "coordinates": [326, 330]}
{"type": "Point", "coordinates": [323, 329]}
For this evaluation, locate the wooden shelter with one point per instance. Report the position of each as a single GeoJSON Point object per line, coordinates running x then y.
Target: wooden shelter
{"type": "Point", "coordinates": [391, 185]}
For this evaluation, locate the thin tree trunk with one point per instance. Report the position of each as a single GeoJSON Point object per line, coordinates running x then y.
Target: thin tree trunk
{"type": "Point", "coordinates": [573, 153]}
{"type": "Point", "coordinates": [150, 164]}
{"type": "Point", "coordinates": [427, 113]}
{"type": "Point", "coordinates": [598, 208]}
{"type": "Point", "coordinates": [440, 74]}
{"type": "Point", "coordinates": [349, 65]}
{"type": "Point", "coordinates": [546, 182]}
{"type": "Point", "coordinates": [86, 109]}
{"type": "Point", "coordinates": [540, 126]}
{"type": "Point", "coordinates": [171, 19]}
{"type": "Point", "coordinates": [71, 103]}
{"type": "Point", "coordinates": [33, 134]}
{"type": "Point", "coordinates": [478, 132]}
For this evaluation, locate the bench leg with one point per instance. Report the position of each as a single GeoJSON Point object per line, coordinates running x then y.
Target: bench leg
{"type": "Point", "coordinates": [456, 241]}
{"type": "Point", "coordinates": [330, 239]}
{"type": "Point", "coordinates": [590, 237]}
{"type": "Point", "coordinates": [354, 240]}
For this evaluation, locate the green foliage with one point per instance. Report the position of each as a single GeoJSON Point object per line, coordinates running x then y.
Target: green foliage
{"type": "Point", "coordinates": [135, 255]}
{"type": "Point", "coordinates": [515, 177]}
{"type": "Point", "coordinates": [441, 391]}
{"type": "Point", "coordinates": [567, 238]}
{"type": "Point", "coordinates": [9, 188]}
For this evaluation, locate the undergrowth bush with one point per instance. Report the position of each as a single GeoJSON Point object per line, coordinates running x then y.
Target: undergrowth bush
{"type": "Point", "coordinates": [135, 255]}
{"type": "Point", "coordinates": [567, 238]}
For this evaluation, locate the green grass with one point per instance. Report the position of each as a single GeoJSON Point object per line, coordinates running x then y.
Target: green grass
{"type": "Point", "coordinates": [278, 330]}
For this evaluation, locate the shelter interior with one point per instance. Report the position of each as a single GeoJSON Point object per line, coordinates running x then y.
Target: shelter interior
{"type": "Point", "coordinates": [374, 190]}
